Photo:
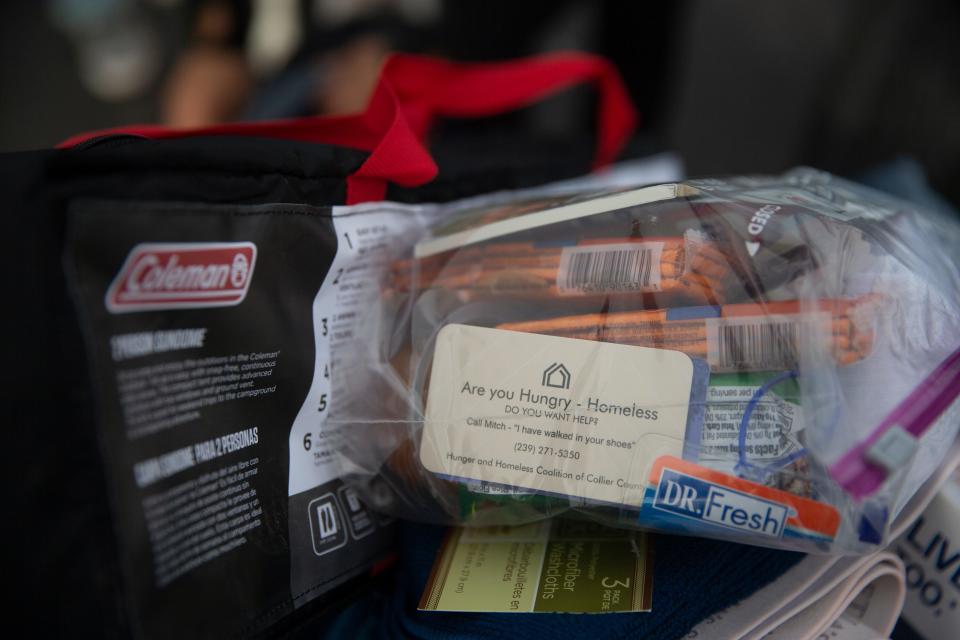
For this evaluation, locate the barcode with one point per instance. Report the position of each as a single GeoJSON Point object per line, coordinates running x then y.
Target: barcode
{"type": "Point", "coordinates": [753, 345]}
{"type": "Point", "coordinates": [620, 267]}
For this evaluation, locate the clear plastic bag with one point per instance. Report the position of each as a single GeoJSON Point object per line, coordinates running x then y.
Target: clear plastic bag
{"type": "Point", "coordinates": [771, 360]}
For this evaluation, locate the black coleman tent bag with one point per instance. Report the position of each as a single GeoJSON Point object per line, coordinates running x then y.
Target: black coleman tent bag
{"type": "Point", "coordinates": [173, 316]}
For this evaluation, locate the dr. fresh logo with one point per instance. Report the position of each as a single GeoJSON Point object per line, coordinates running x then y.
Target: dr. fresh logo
{"type": "Point", "coordinates": [183, 276]}
{"type": "Point", "coordinates": [556, 376]}
{"type": "Point", "coordinates": [697, 499]}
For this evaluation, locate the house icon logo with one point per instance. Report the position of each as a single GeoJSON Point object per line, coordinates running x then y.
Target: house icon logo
{"type": "Point", "coordinates": [556, 376]}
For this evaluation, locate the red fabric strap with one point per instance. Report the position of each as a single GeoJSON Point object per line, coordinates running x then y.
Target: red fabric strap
{"type": "Point", "coordinates": [430, 87]}
{"type": "Point", "coordinates": [396, 155]}
{"type": "Point", "coordinates": [415, 90]}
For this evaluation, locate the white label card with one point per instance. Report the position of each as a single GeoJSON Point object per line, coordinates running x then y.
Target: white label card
{"type": "Point", "coordinates": [557, 415]}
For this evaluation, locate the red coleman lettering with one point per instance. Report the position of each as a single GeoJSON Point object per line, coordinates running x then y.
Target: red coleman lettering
{"type": "Point", "coordinates": [187, 275]}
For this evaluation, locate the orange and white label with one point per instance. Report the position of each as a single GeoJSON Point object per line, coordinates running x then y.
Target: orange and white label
{"type": "Point", "coordinates": [681, 489]}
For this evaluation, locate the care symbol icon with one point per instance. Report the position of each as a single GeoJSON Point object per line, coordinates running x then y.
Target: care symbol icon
{"type": "Point", "coordinates": [327, 520]}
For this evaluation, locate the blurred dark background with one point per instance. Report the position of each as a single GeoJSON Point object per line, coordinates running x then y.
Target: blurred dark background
{"type": "Point", "coordinates": [735, 86]}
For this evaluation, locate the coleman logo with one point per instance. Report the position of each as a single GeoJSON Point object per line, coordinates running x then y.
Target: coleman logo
{"type": "Point", "coordinates": [698, 499]}
{"type": "Point", "coordinates": [183, 276]}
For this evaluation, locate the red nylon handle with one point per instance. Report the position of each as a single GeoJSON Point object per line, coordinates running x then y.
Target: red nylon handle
{"type": "Point", "coordinates": [429, 88]}
{"type": "Point", "coordinates": [411, 93]}
{"type": "Point", "coordinates": [396, 155]}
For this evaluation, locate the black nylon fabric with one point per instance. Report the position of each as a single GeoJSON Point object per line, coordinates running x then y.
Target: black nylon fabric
{"type": "Point", "coordinates": [67, 571]}
{"type": "Point", "coordinates": [67, 568]}
{"type": "Point", "coordinates": [210, 170]}
{"type": "Point", "coordinates": [471, 163]}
